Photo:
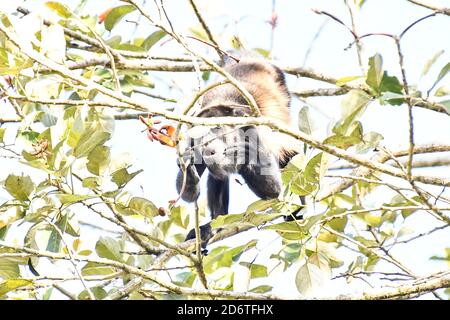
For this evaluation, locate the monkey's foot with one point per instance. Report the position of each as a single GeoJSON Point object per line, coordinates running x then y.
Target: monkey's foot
{"type": "Point", "coordinates": [205, 234]}
{"type": "Point", "coordinates": [296, 215]}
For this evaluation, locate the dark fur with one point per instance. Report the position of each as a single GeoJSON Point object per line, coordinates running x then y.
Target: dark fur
{"type": "Point", "coordinates": [267, 85]}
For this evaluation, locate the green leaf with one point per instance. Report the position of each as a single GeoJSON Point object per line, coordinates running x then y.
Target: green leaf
{"type": "Point", "coordinates": [289, 230]}
{"type": "Point", "coordinates": [343, 142]}
{"type": "Point", "coordinates": [90, 183]}
{"type": "Point", "coordinates": [304, 121]}
{"type": "Point", "coordinates": [9, 268]}
{"type": "Point", "coordinates": [316, 168]}
{"type": "Point", "coordinates": [185, 279]}
{"type": "Point", "coordinates": [261, 289]}
{"type": "Point", "coordinates": [256, 270]}
{"type": "Point", "coordinates": [321, 261]}
{"type": "Point", "coordinates": [404, 231]}
{"type": "Point", "coordinates": [109, 248]}
{"type": "Point", "coordinates": [390, 84]}
{"type": "Point", "coordinates": [226, 220]}
{"type": "Point", "coordinates": [360, 3]}
{"type": "Point", "coordinates": [61, 9]}
{"type": "Point", "coordinates": [5, 20]}
{"type": "Point", "coordinates": [447, 292]}
{"type": "Point", "coordinates": [249, 218]}
{"type": "Point", "coordinates": [67, 198]}
{"type": "Point", "coordinates": [206, 75]}
{"type": "Point", "coordinates": [2, 134]}
{"type": "Point", "coordinates": [130, 47]}
{"type": "Point", "coordinates": [97, 269]}
{"type": "Point", "coordinates": [199, 32]}
{"type": "Point", "coordinates": [261, 205]}
{"type": "Point", "coordinates": [76, 127]}
{"type": "Point", "coordinates": [20, 187]}
{"type": "Point", "coordinates": [116, 14]}
{"type": "Point", "coordinates": [3, 233]}
{"type": "Point", "coordinates": [47, 294]}
{"type": "Point", "coordinates": [352, 107]}
{"type": "Point", "coordinates": [442, 74]}
{"type": "Point", "coordinates": [68, 223]}
{"type": "Point", "coordinates": [98, 292]}
{"type": "Point", "coordinates": [48, 120]}
{"type": "Point", "coordinates": [12, 284]}
{"type": "Point", "coordinates": [98, 160]}
{"type": "Point", "coordinates": [133, 79]}
{"type": "Point", "coordinates": [370, 141]}
{"type": "Point", "coordinates": [263, 52]}
{"type": "Point", "coordinates": [293, 176]}
{"type": "Point", "coordinates": [121, 177]}
{"type": "Point", "coordinates": [28, 135]}
{"type": "Point", "coordinates": [430, 62]}
{"type": "Point", "coordinates": [179, 216]}
{"type": "Point", "coordinates": [152, 39]}
{"type": "Point", "coordinates": [88, 141]}
{"type": "Point", "coordinates": [344, 80]}
{"type": "Point", "coordinates": [338, 224]}
{"type": "Point", "coordinates": [143, 207]}
{"type": "Point", "coordinates": [373, 220]}
{"type": "Point", "coordinates": [54, 241]}
{"type": "Point", "coordinates": [111, 194]}
{"type": "Point", "coordinates": [309, 277]}
{"type": "Point", "coordinates": [391, 98]}
{"type": "Point", "coordinates": [140, 206]}
{"type": "Point", "coordinates": [446, 105]}
{"type": "Point", "coordinates": [440, 92]}
{"type": "Point", "coordinates": [223, 256]}
{"type": "Point", "coordinates": [114, 41]}
{"type": "Point", "coordinates": [372, 261]}
{"type": "Point", "coordinates": [375, 72]}
{"type": "Point", "coordinates": [105, 120]}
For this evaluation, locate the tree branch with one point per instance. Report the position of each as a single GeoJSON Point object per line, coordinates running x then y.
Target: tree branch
{"type": "Point", "coordinates": [443, 10]}
{"type": "Point", "coordinates": [419, 287]}
{"type": "Point", "coordinates": [206, 28]}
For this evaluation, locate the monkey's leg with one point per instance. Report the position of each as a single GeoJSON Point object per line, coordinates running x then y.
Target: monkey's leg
{"type": "Point", "coordinates": [218, 200]}
{"type": "Point", "coordinates": [218, 196]}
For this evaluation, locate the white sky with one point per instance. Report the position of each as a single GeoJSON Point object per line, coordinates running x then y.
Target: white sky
{"type": "Point", "coordinates": [297, 27]}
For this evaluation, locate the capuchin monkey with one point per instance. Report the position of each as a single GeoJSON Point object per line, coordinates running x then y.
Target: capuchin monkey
{"type": "Point", "coordinates": [255, 152]}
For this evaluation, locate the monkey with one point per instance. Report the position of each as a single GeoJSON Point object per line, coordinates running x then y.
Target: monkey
{"type": "Point", "coordinates": [254, 152]}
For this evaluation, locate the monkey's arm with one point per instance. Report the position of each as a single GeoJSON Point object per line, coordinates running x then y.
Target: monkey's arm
{"type": "Point", "coordinates": [263, 178]}
{"type": "Point", "coordinates": [191, 189]}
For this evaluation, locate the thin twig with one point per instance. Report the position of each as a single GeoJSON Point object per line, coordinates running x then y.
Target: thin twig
{"type": "Point", "coordinates": [206, 28]}
{"type": "Point", "coordinates": [198, 245]}
{"type": "Point", "coordinates": [351, 5]}
{"type": "Point", "coordinates": [71, 258]}
{"type": "Point", "coordinates": [443, 10]}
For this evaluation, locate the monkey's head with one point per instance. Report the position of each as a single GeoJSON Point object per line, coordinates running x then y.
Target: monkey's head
{"type": "Point", "coordinates": [225, 149]}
